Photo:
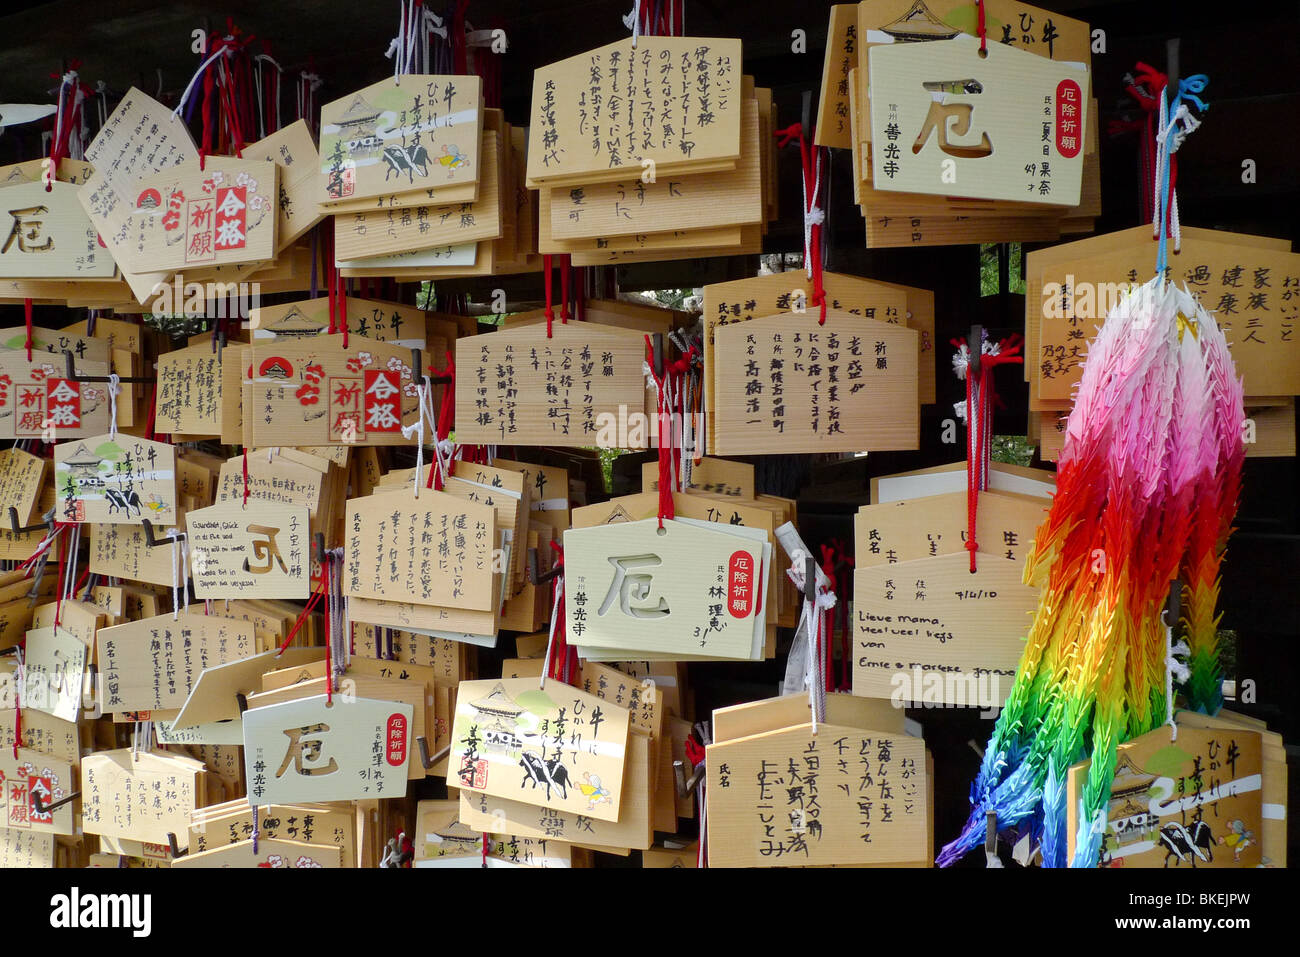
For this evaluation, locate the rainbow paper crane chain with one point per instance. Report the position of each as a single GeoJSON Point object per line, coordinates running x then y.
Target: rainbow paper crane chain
{"type": "Point", "coordinates": [1147, 486]}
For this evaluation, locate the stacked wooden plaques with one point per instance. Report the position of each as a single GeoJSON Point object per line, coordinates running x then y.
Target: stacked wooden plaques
{"type": "Point", "coordinates": [952, 143]}
{"type": "Point", "coordinates": [1250, 283]}
{"type": "Point", "coordinates": [654, 150]}
{"type": "Point", "coordinates": [927, 628]}
{"type": "Point", "coordinates": [423, 182]}
{"type": "Point", "coordinates": [784, 791]}
{"type": "Point", "coordinates": [778, 380]}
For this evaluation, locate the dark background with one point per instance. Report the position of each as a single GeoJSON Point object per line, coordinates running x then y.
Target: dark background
{"type": "Point", "coordinates": [1249, 51]}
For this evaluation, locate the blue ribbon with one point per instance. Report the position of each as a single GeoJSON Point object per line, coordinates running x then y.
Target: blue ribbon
{"type": "Point", "coordinates": [1187, 90]}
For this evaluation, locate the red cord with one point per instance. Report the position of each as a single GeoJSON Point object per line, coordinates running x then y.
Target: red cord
{"type": "Point", "coordinates": [343, 307]}
{"type": "Point", "coordinates": [811, 181]}
{"type": "Point", "coordinates": [665, 438]}
{"type": "Point", "coordinates": [981, 29]}
{"type": "Point", "coordinates": [27, 314]}
{"type": "Point", "coordinates": [326, 575]}
{"type": "Point", "coordinates": [302, 617]}
{"type": "Point", "coordinates": [446, 420]}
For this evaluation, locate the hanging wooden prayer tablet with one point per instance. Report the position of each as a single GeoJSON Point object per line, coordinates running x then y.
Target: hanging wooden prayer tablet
{"type": "Point", "coordinates": [583, 385]}
{"type": "Point", "coordinates": [298, 204]}
{"type": "Point", "coordinates": [693, 590]}
{"type": "Point", "coordinates": [46, 235]}
{"type": "Point", "coordinates": [154, 663]}
{"type": "Point", "coordinates": [140, 796]}
{"type": "Point", "coordinates": [189, 217]}
{"type": "Point", "coordinates": [54, 666]}
{"type": "Point", "coordinates": [316, 392]}
{"type": "Point", "coordinates": [310, 750]}
{"type": "Point", "coordinates": [928, 631]}
{"type": "Point", "coordinates": [270, 853]}
{"type": "Point", "coordinates": [390, 322]}
{"type": "Point", "coordinates": [555, 747]}
{"type": "Point", "coordinates": [190, 396]}
{"type": "Point", "coordinates": [407, 133]}
{"type": "Point", "coordinates": [1194, 800]}
{"type": "Point", "coordinates": [667, 104]}
{"type": "Point", "coordinates": [937, 525]}
{"type": "Point", "coordinates": [32, 782]}
{"type": "Point", "coordinates": [115, 479]}
{"type": "Point", "coordinates": [949, 121]}
{"type": "Point", "coordinates": [430, 549]}
{"type": "Point", "coordinates": [794, 798]}
{"type": "Point", "coordinates": [258, 550]}
{"type": "Point", "coordinates": [22, 476]}
{"type": "Point", "coordinates": [38, 401]}
{"type": "Point", "coordinates": [1249, 282]}
{"type": "Point", "coordinates": [791, 385]}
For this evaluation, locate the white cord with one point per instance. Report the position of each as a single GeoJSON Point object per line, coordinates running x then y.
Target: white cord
{"type": "Point", "coordinates": [195, 78]}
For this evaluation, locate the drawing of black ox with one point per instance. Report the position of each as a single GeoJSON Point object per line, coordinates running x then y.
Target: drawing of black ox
{"type": "Point", "coordinates": [406, 159]}
{"type": "Point", "coordinates": [122, 500]}
{"type": "Point", "coordinates": [1187, 843]}
{"type": "Point", "coordinates": [547, 772]}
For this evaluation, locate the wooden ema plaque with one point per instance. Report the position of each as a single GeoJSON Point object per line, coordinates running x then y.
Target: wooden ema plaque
{"type": "Point", "coordinates": [568, 745]}
{"type": "Point", "coordinates": [116, 479]}
{"type": "Point", "coordinates": [793, 798]}
{"type": "Point", "coordinates": [788, 292]}
{"type": "Point", "coordinates": [309, 750]}
{"type": "Point", "coordinates": [1191, 801]}
{"type": "Point", "coordinates": [46, 235]}
{"type": "Point", "coordinates": [789, 386]}
{"type": "Point", "coordinates": [937, 525]}
{"type": "Point", "coordinates": [359, 235]}
{"type": "Point", "coordinates": [692, 590]}
{"type": "Point", "coordinates": [298, 205]}
{"type": "Point", "coordinates": [599, 210]}
{"type": "Point", "coordinates": [257, 550]}
{"type": "Point", "coordinates": [929, 631]}
{"type": "Point", "coordinates": [428, 549]}
{"type": "Point", "coordinates": [409, 132]}
{"type": "Point", "coordinates": [315, 392]}
{"type": "Point", "coordinates": [374, 319]}
{"type": "Point", "coordinates": [186, 217]}
{"type": "Point", "coordinates": [1251, 284]}
{"type": "Point", "coordinates": [580, 387]}
{"type": "Point", "coordinates": [678, 109]}
{"type": "Point", "coordinates": [38, 401]}
{"type": "Point", "coordinates": [948, 118]}
{"type": "Point", "coordinates": [1011, 23]}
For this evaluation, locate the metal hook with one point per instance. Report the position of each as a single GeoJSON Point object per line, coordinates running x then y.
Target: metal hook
{"type": "Point", "coordinates": [48, 524]}
{"type": "Point", "coordinates": [536, 578]}
{"type": "Point", "coordinates": [321, 555]}
{"type": "Point", "coordinates": [175, 848]}
{"type": "Point", "coordinates": [809, 576]}
{"type": "Point", "coordinates": [687, 785]}
{"type": "Point", "coordinates": [658, 361]}
{"type": "Point", "coordinates": [975, 347]}
{"type": "Point", "coordinates": [76, 376]}
{"type": "Point", "coordinates": [427, 759]}
{"type": "Point", "coordinates": [152, 541]}
{"type": "Point", "coordinates": [40, 807]}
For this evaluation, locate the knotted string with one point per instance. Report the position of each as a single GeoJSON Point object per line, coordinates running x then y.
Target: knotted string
{"type": "Point", "coordinates": [813, 215]}
{"type": "Point", "coordinates": [977, 411]}
{"type": "Point", "coordinates": [1176, 122]}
